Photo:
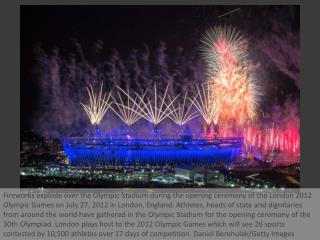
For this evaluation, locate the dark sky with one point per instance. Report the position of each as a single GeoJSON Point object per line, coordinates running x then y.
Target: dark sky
{"type": "Point", "coordinates": [127, 27]}
{"type": "Point", "coordinates": [120, 27]}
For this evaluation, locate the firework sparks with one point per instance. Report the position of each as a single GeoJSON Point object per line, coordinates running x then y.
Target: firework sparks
{"type": "Point", "coordinates": [127, 108]}
{"type": "Point", "coordinates": [182, 113]}
{"type": "Point", "coordinates": [98, 105]}
{"type": "Point", "coordinates": [230, 74]}
{"type": "Point", "coordinates": [222, 46]}
{"type": "Point", "coordinates": [205, 104]}
{"type": "Point", "coordinates": [157, 110]}
{"type": "Point", "coordinates": [237, 95]}
{"type": "Point", "coordinates": [285, 138]}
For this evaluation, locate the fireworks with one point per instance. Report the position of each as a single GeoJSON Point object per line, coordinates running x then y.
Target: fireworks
{"type": "Point", "coordinates": [182, 114]}
{"type": "Point", "coordinates": [157, 110]}
{"type": "Point", "coordinates": [222, 46]}
{"type": "Point", "coordinates": [204, 102]}
{"type": "Point", "coordinates": [230, 75]}
{"type": "Point", "coordinates": [269, 140]}
{"type": "Point", "coordinates": [127, 108]}
{"type": "Point", "coordinates": [98, 105]}
{"type": "Point", "coordinates": [285, 139]}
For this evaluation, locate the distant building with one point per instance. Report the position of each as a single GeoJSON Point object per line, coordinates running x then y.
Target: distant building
{"type": "Point", "coordinates": [198, 175]}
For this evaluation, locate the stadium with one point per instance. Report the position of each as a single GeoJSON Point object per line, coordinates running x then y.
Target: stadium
{"type": "Point", "coordinates": [157, 152]}
{"type": "Point", "coordinates": [154, 148]}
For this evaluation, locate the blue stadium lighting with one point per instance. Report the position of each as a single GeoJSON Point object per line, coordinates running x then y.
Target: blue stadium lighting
{"type": "Point", "coordinates": [124, 152]}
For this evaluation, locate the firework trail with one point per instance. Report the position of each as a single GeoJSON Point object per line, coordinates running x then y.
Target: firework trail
{"type": "Point", "coordinates": [181, 114]}
{"type": "Point", "coordinates": [127, 108]}
{"type": "Point", "coordinates": [204, 102]}
{"type": "Point", "coordinates": [230, 74]}
{"type": "Point", "coordinates": [98, 105]}
{"type": "Point", "coordinates": [230, 12]}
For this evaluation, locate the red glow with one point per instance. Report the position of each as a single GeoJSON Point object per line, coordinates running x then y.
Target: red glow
{"type": "Point", "coordinates": [263, 142]}
{"type": "Point", "coordinates": [285, 139]}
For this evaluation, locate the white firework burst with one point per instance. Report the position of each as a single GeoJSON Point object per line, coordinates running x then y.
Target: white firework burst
{"type": "Point", "coordinates": [128, 108]}
{"type": "Point", "coordinates": [205, 104]}
{"type": "Point", "coordinates": [98, 105]}
{"type": "Point", "coordinates": [157, 110]}
{"type": "Point", "coordinates": [181, 113]}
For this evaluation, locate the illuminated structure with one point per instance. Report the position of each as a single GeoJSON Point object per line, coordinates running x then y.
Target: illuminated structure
{"type": "Point", "coordinates": [97, 150]}
{"type": "Point", "coordinates": [123, 152]}
{"type": "Point", "coordinates": [229, 97]}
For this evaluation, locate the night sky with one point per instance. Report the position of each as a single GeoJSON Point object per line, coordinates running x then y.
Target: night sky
{"type": "Point", "coordinates": [127, 27]}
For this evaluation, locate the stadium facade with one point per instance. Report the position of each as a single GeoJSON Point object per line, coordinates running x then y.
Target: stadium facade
{"type": "Point", "coordinates": [128, 152]}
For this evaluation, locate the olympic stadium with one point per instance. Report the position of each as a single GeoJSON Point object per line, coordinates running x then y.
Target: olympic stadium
{"type": "Point", "coordinates": [125, 152]}
{"type": "Point", "coordinates": [154, 148]}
